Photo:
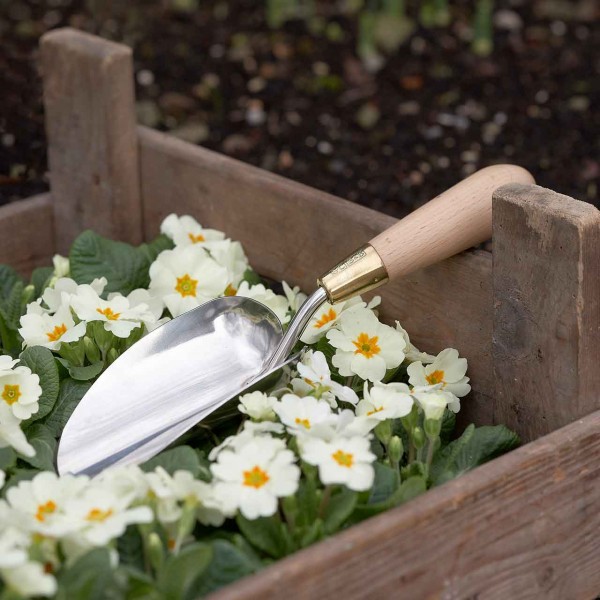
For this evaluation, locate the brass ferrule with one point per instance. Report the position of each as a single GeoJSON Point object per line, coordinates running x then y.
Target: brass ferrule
{"type": "Point", "coordinates": [362, 271]}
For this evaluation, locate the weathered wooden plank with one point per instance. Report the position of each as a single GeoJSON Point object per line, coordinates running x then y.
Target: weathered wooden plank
{"type": "Point", "coordinates": [27, 233]}
{"type": "Point", "coordinates": [294, 232]}
{"type": "Point", "coordinates": [523, 526]}
{"type": "Point", "coordinates": [92, 141]}
{"type": "Point", "coordinates": [546, 344]}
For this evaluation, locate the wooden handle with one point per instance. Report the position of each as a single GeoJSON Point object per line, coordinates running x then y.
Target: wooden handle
{"type": "Point", "coordinates": [454, 221]}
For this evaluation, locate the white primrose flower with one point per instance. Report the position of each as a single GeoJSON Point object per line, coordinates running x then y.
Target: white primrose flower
{"type": "Point", "coordinates": [412, 353]}
{"type": "Point", "coordinates": [11, 434]}
{"type": "Point", "coordinates": [230, 254]}
{"type": "Point", "coordinates": [7, 363]}
{"type": "Point", "coordinates": [13, 547]}
{"type": "Point", "coordinates": [186, 277]}
{"type": "Point", "coordinates": [29, 580]}
{"type": "Point", "coordinates": [327, 317]}
{"type": "Point", "coordinates": [315, 379]}
{"type": "Point", "coordinates": [50, 330]}
{"type": "Point", "coordinates": [365, 346]}
{"type": "Point", "coordinates": [62, 266]}
{"type": "Point", "coordinates": [250, 429]}
{"type": "Point", "coordinates": [385, 401]}
{"type": "Point", "coordinates": [117, 314]}
{"type": "Point", "coordinates": [434, 403]}
{"type": "Point", "coordinates": [294, 296]}
{"type": "Point", "coordinates": [447, 369]}
{"type": "Point", "coordinates": [257, 406]}
{"type": "Point", "coordinates": [127, 481]}
{"type": "Point", "coordinates": [185, 231]}
{"type": "Point", "coordinates": [60, 294]}
{"type": "Point", "coordinates": [343, 460]}
{"type": "Point", "coordinates": [300, 415]}
{"type": "Point", "coordinates": [20, 390]}
{"type": "Point", "coordinates": [39, 505]}
{"type": "Point", "coordinates": [278, 304]}
{"type": "Point", "coordinates": [252, 478]}
{"type": "Point", "coordinates": [102, 514]}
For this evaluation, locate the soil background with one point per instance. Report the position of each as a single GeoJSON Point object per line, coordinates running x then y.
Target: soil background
{"type": "Point", "coordinates": [298, 101]}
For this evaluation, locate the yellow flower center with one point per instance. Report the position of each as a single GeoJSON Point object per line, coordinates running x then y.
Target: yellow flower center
{"type": "Point", "coordinates": [326, 318]}
{"type": "Point", "coordinates": [44, 510]}
{"type": "Point", "coordinates": [435, 377]}
{"type": "Point", "coordinates": [57, 332]}
{"type": "Point", "coordinates": [344, 459]}
{"type": "Point", "coordinates": [11, 394]}
{"type": "Point", "coordinates": [186, 286]}
{"type": "Point", "coordinates": [230, 290]}
{"type": "Point", "coordinates": [109, 314]}
{"type": "Point", "coordinates": [304, 422]}
{"type": "Point", "coordinates": [375, 410]}
{"type": "Point", "coordinates": [366, 346]}
{"type": "Point", "coordinates": [255, 478]}
{"type": "Point", "coordinates": [196, 238]}
{"type": "Point", "coordinates": [98, 515]}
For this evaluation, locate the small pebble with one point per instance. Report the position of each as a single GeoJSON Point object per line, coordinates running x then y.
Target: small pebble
{"type": "Point", "coordinates": [8, 139]}
{"type": "Point", "coordinates": [508, 20]}
{"type": "Point", "coordinates": [285, 160]}
{"type": "Point", "coordinates": [311, 141]}
{"type": "Point", "coordinates": [256, 84]}
{"type": "Point", "coordinates": [255, 114]}
{"type": "Point", "coordinates": [542, 96]}
{"type": "Point", "coordinates": [409, 108]}
{"type": "Point", "coordinates": [558, 28]}
{"type": "Point", "coordinates": [145, 77]}
{"type": "Point", "coordinates": [324, 147]}
{"type": "Point", "coordinates": [443, 162]}
{"type": "Point", "coordinates": [217, 51]}
{"type": "Point", "coordinates": [579, 103]}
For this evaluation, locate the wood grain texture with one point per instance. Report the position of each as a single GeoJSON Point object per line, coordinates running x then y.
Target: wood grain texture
{"type": "Point", "coordinates": [523, 526]}
{"type": "Point", "coordinates": [293, 232]}
{"type": "Point", "coordinates": [27, 233]}
{"type": "Point", "coordinates": [546, 343]}
{"type": "Point", "coordinates": [456, 220]}
{"type": "Point", "coordinates": [92, 141]}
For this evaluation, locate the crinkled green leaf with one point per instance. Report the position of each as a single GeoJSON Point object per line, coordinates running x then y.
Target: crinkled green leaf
{"type": "Point", "coordinates": [182, 575]}
{"type": "Point", "coordinates": [155, 247]}
{"type": "Point", "coordinates": [40, 279]}
{"type": "Point", "coordinates": [8, 458]}
{"type": "Point", "coordinates": [131, 548]}
{"type": "Point", "coordinates": [229, 563]}
{"type": "Point", "coordinates": [12, 307]}
{"type": "Point", "coordinates": [124, 266]}
{"type": "Point", "coordinates": [8, 278]}
{"type": "Point", "coordinates": [385, 484]}
{"type": "Point", "coordinates": [175, 459]}
{"type": "Point", "coordinates": [339, 508]}
{"type": "Point", "coordinates": [41, 362]}
{"type": "Point", "coordinates": [268, 534]}
{"type": "Point", "coordinates": [474, 447]}
{"type": "Point", "coordinates": [86, 373]}
{"type": "Point", "coordinates": [17, 476]}
{"type": "Point", "coordinates": [134, 584]}
{"type": "Point", "coordinates": [69, 395]}
{"type": "Point", "coordinates": [41, 438]}
{"type": "Point", "coordinates": [88, 578]}
{"type": "Point", "coordinates": [448, 425]}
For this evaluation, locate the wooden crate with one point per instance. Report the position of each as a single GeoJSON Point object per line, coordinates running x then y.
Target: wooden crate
{"type": "Point", "coordinates": [527, 318]}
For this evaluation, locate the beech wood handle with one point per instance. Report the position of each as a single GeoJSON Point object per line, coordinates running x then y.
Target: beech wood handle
{"type": "Point", "coordinates": [454, 221]}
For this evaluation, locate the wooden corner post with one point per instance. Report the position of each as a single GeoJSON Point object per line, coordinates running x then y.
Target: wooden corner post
{"type": "Point", "coordinates": [92, 141]}
{"type": "Point", "coordinates": [546, 281]}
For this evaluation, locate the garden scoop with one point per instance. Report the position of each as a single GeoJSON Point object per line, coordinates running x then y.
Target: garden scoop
{"type": "Point", "coordinates": [185, 370]}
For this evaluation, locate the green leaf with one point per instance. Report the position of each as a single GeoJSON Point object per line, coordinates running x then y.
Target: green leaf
{"type": "Point", "coordinates": [12, 307]}
{"type": "Point", "coordinates": [18, 476]}
{"type": "Point", "coordinates": [87, 578]}
{"type": "Point", "coordinates": [69, 396]}
{"type": "Point", "coordinates": [385, 484]}
{"type": "Point", "coordinates": [86, 373]}
{"type": "Point", "coordinates": [8, 278]}
{"type": "Point", "coordinates": [131, 548]}
{"type": "Point", "coordinates": [175, 459]}
{"type": "Point", "coordinates": [474, 447]}
{"type": "Point", "coordinates": [307, 502]}
{"type": "Point", "coordinates": [448, 425]}
{"type": "Point", "coordinates": [268, 534]}
{"type": "Point", "coordinates": [8, 458]}
{"type": "Point", "coordinates": [251, 277]}
{"type": "Point", "coordinates": [124, 266]}
{"type": "Point", "coordinates": [229, 564]}
{"type": "Point", "coordinates": [40, 278]}
{"type": "Point", "coordinates": [41, 362]}
{"type": "Point", "coordinates": [341, 505]}
{"type": "Point", "coordinates": [41, 438]}
{"type": "Point", "coordinates": [155, 247]}
{"type": "Point", "coordinates": [181, 576]}
{"type": "Point", "coordinates": [134, 584]}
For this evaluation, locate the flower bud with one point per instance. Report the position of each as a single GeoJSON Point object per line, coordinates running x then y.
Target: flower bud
{"type": "Point", "coordinates": [156, 550]}
{"type": "Point", "coordinates": [418, 437]}
{"type": "Point", "coordinates": [92, 352]}
{"type": "Point", "coordinates": [395, 449]}
{"type": "Point", "coordinates": [383, 431]}
{"type": "Point", "coordinates": [112, 355]}
{"type": "Point", "coordinates": [433, 428]}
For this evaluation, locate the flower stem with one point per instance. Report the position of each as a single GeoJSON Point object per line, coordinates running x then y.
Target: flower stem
{"type": "Point", "coordinates": [325, 500]}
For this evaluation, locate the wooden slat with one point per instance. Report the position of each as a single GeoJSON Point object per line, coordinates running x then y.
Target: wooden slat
{"type": "Point", "coordinates": [92, 141]}
{"type": "Point", "coordinates": [523, 526]}
{"type": "Point", "coordinates": [293, 232]}
{"type": "Point", "coordinates": [27, 233]}
{"type": "Point", "coordinates": [546, 309]}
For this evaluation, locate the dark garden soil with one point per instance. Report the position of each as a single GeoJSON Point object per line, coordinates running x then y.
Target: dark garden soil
{"type": "Point", "coordinates": [299, 102]}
